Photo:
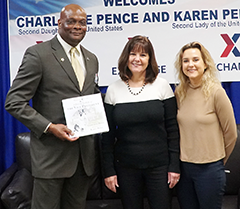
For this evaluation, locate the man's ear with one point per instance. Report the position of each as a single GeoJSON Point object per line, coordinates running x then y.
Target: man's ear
{"type": "Point", "coordinates": [59, 23]}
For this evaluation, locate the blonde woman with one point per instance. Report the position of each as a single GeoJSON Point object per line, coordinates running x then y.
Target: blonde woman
{"type": "Point", "coordinates": [207, 129]}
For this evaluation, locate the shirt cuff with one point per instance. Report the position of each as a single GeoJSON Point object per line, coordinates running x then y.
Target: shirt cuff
{"type": "Point", "coordinates": [46, 129]}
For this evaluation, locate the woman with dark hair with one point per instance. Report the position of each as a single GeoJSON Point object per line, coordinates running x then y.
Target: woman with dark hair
{"type": "Point", "coordinates": [207, 129]}
{"type": "Point", "coordinates": [141, 150]}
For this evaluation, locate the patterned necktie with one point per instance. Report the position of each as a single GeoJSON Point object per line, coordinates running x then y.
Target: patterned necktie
{"type": "Point", "coordinates": [77, 67]}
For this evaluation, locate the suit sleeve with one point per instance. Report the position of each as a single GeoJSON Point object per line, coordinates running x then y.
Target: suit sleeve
{"type": "Point", "coordinates": [23, 90]}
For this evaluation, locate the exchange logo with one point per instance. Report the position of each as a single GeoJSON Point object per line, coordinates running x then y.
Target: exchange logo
{"type": "Point", "coordinates": [231, 45]}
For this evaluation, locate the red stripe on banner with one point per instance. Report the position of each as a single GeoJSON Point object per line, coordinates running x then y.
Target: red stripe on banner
{"type": "Point", "coordinates": [229, 43]}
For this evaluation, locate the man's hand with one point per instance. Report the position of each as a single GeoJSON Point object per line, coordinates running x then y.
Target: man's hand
{"type": "Point", "coordinates": [111, 183]}
{"type": "Point", "coordinates": [61, 131]}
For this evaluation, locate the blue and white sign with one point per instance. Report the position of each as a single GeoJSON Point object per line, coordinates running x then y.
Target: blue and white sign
{"type": "Point", "coordinates": [169, 24]}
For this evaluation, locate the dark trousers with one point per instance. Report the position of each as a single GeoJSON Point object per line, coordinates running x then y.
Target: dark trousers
{"type": "Point", "coordinates": [132, 183]}
{"type": "Point", "coordinates": [63, 193]}
{"type": "Point", "coordinates": [201, 186]}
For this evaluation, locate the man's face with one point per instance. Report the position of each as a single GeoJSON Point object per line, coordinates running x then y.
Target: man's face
{"type": "Point", "coordinates": [72, 25]}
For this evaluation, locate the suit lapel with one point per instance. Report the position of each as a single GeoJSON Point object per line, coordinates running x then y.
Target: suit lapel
{"type": "Point", "coordinates": [63, 60]}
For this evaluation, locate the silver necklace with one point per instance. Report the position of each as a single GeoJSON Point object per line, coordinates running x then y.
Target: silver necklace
{"type": "Point", "coordinates": [135, 94]}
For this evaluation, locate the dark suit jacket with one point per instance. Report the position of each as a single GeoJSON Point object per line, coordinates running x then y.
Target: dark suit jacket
{"type": "Point", "coordinates": [47, 77]}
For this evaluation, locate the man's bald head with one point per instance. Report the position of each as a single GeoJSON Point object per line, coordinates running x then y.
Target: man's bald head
{"type": "Point", "coordinates": [72, 24]}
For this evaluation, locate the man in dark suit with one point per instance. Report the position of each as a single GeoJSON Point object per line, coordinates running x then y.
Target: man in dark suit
{"type": "Point", "coordinates": [61, 165]}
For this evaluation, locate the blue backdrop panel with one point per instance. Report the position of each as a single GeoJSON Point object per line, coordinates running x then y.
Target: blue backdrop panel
{"type": "Point", "coordinates": [9, 127]}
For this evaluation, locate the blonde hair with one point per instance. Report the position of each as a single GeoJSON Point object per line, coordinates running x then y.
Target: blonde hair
{"type": "Point", "coordinates": [209, 79]}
